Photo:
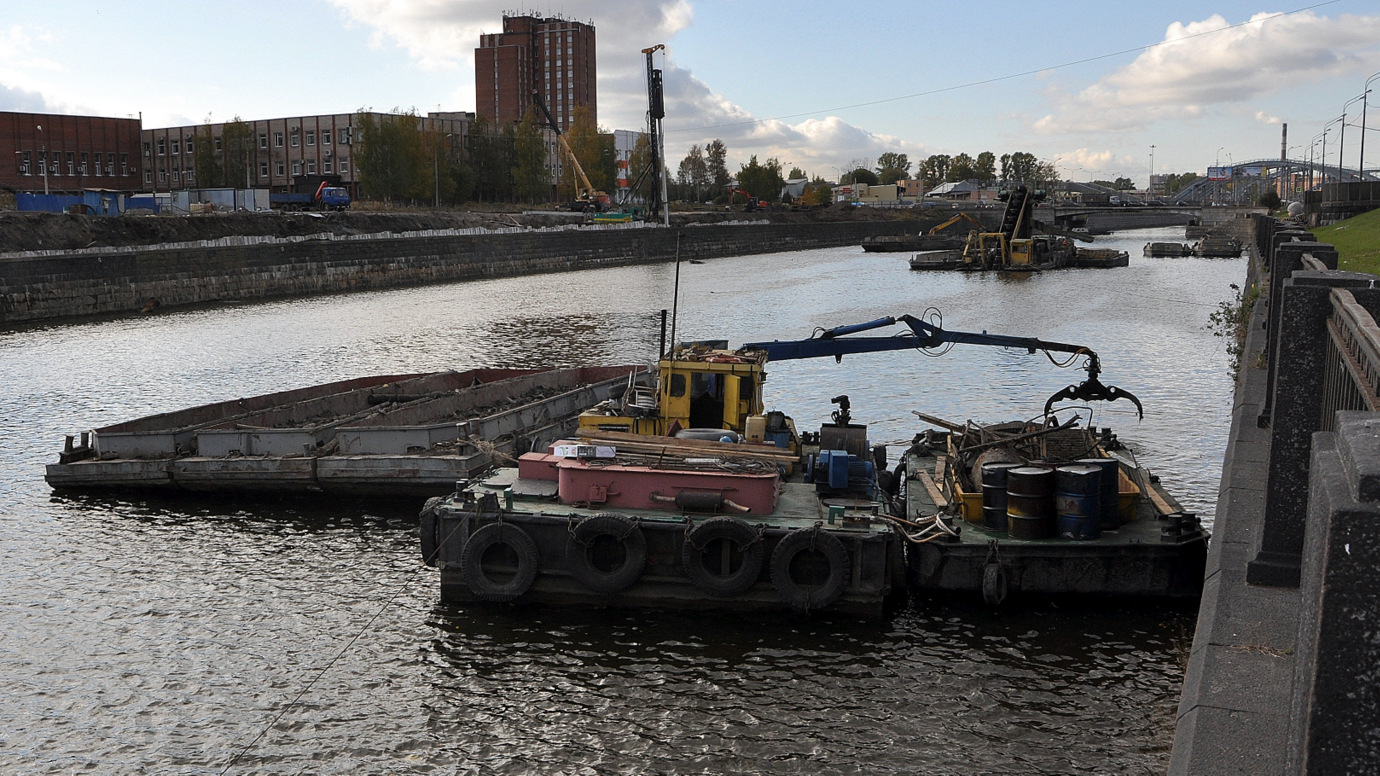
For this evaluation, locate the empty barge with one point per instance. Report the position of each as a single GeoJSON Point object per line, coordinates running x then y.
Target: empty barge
{"type": "Point", "coordinates": [388, 434]}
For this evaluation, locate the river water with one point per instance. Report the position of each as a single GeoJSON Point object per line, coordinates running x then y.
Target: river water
{"type": "Point", "coordinates": [198, 635]}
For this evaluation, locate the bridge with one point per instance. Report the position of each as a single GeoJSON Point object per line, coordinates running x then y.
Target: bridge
{"type": "Point", "coordinates": [1101, 220]}
{"type": "Point", "coordinates": [1290, 177]}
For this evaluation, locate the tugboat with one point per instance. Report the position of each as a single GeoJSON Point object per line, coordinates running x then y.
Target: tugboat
{"type": "Point", "coordinates": [685, 492]}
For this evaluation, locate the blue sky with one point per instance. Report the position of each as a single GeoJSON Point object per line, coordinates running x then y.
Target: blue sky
{"type": "Point", "coordinates": [819, 85]}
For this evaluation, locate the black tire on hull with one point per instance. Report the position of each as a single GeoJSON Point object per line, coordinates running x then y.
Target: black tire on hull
{"type": "Point", "coordinates": [503, 587]}
{"type": "Point", "coordinates": [702, 557]}
{"type": "Point", "coordinates": [796, 566]}
{"type": "Point", "coordinates": [588, 553]}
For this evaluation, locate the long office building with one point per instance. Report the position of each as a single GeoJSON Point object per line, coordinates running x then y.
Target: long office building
{"type": "Point", "coordinates": [274, 152]}
{"type": "Point", "coordinates": [550, 56]}
{"type": "Point", "coordinates": [65, 154]}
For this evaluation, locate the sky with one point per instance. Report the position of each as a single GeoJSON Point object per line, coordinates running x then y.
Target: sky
{"type": "Point", "coordinates": [1101, 90]}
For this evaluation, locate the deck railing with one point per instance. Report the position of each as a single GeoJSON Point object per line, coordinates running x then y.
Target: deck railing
{"type": "Point", "coordinates": [1351, 371]}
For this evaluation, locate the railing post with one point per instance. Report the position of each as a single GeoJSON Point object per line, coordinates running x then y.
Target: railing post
{"type": "Point", "coordinates": [1297, 354]}
{"type": "Point", "coordinates": [1335, 710]}
{"type": "Point", "coordinates": [1285, 259]}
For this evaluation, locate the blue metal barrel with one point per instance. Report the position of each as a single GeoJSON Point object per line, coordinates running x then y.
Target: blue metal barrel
{"type": "Point", "coordinates": [1077, 501]}
{"type": "Point", "coordinates": [1108, 491]}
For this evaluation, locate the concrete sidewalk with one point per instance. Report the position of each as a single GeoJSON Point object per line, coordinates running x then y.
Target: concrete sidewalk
{"type": "Point", "coordinates": [1234, 712]}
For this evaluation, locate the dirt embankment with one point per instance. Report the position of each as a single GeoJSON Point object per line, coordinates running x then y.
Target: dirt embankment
{"type": "Point", "coordinates": [48, 231]}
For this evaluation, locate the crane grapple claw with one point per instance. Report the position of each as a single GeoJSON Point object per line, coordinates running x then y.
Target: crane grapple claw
{"type": "Point", "coordinates": [1092, 389]}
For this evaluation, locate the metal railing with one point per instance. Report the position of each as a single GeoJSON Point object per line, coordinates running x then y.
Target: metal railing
{"type": "Point", "coordinates": [1351, 371]}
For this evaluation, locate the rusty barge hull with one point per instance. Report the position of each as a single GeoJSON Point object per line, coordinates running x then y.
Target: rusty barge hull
{"type": "Point", "coordinates": [404, 434]}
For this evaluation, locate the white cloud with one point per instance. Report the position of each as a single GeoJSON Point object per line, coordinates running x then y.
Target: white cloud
{"type": "Point", "coordinates": [1190, 72]}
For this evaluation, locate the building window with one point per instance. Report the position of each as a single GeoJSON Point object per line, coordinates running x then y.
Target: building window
{"type": "Point", "coordinates": [162, 176]}
{"type": "Point", "coordinates": [344, 165]}
{"type": "Point", "coordinates": [176, 148]}
{"type": "Point", "coordinates": [263, 140]}
{"type": "Point", "coordinates": [190, 175]}
{"type": "Point", "coordinates": [326, 166]}
{"type": "Point", "coordinates": [148, 176]}
{"type": "Point", "coordinates": [263, 169]}
{"type": "Point", "coordinates": [311, 166]}
{"type": "Point", "coordinates": [162, 146]}
{"type": "Point", "coordinates": [146, 149]}
{"type": "Point", "coordinates": [296, 139]}
{"type": "Point", "coordinates": [345, 135]}
{"type": "Point", "coordinates": [217, 142]}
{"type": "Point", "coordinates": [311, 138]}
{"type": "Point", "coordinates": [296, 168]}
{"type": "Point", "coordinates": [189, 144]}
{"type": "Point", "coordinates": [325, 137]}
{"type": "Point", "coordinates": [278, 168]}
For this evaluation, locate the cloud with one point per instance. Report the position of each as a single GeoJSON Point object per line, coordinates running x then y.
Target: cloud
{"type": "Point", "coordinates": [23, 101]}
{"type": "Point", "coordinates": [1190, 72]}
{"type": "Point", "coordinates": [442, 35]}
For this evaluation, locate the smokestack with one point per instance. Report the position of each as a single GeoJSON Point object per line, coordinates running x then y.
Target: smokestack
{"type": "Point", "coordinates": [1284, 143]}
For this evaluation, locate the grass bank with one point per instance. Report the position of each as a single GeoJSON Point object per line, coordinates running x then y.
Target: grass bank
{"type": "Point", "coordinates": [1357, 240]}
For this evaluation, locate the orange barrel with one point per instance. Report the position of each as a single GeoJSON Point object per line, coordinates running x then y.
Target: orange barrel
{"type": "Point", "coordinates": [1030, 502]}
{"type": "Point", "coordinates": [994, 495]}
{"type": "Point", "coordinates": [1077, 502]}
{"type": "Point", "coordinates": [1109, 489]}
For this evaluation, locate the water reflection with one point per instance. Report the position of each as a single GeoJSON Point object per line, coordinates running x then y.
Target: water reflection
{"type": "Point", "coordinates": [164, 633]}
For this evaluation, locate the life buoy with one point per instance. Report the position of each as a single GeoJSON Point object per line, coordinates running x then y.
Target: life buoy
{"type": "Point", "coordinates": [606, 552]}
{"type": "Point", "coordinates": [809, 569]}
{"type": "Point", "coordinates": [504, 578]}
{"type": "Point", "coordinates": [722, 556]}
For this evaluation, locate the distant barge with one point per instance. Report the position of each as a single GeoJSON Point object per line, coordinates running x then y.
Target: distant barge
{"type": "Point", "coordinates": [387, 434]}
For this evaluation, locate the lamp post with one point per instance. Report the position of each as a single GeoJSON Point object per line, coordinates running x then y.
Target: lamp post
{"type": "Point", "coordinates": [1324, 148]}
{"type": "Point", "coordinates": [1364, 99]}
{"type": "Point", "coordinates": [1341, 152]}
{"type": "Point", "coordinates": [436, 172]}
{"type": "Point", "coordinates": [43, 156]}
{"type": "Point", "coordinates": [1150, 185]}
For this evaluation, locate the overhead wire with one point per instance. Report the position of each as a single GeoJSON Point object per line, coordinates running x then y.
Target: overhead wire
{"type": "Point", "coordinates": [1008, 77]}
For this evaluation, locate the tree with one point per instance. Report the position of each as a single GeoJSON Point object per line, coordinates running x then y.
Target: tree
{"type": "Point", "coordinates": [1176, 183]}
{"type": "Point", "coordinates": [237, 147]}
{"type": "Point", "coordinates": [818, 193]}
{"type": "Point", "coordinates": [489, 151]}
{"type": "Point", "coordinates": [1123, 184]}
{"type": "Point", "coordinates": [986, 171]}
{"type": "Point", "coordinates": [531, 177]}
{"type": "Point", "coordinates": [716, 157]}
{"type": "Point", "coordinates": [1269, 198]}
{"type": "Point", "coordinates": [892, 167]}
{"type": "Point", "coordinates": [694, 173]}
{"type": "Point", "coordinates": [962, 168]}
{"type": "Point", "coordinates": [393, 159]}
{"type": "Point", "coordinates": [1020, 168]}
{"type": "Point", "coordinates": [934, 170]}
{"type": "Point", "coordinates": [761, 180]}
{"type": "Point", "coordinates": [209, 171]}
{"type": "Point", "coordinates": [1046, 175]}
{"type": "Point", "coordinates": [796, 174]}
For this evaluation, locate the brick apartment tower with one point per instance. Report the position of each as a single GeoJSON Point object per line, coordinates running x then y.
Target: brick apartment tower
{"type": "Point", "coordinates": [552, 56]}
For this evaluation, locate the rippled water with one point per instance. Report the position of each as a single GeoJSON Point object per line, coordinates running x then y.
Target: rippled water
{"type": "Point", "coordinates": [171, 634]}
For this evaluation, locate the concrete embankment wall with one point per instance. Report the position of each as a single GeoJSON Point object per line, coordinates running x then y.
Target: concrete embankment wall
{"type": "Point", "coordinates": [56, 284]}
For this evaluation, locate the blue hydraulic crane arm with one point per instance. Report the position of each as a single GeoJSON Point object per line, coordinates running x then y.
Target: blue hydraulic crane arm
{"type": "Point", "coordinates": [922, 334]}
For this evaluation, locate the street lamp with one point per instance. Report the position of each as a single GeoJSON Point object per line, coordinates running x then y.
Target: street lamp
{"type": "Point", "coordinates": [43, 156]}
{"type": "Point", "coordinates": [1362, 165]}
{"type": "Point", "coordinates": [1150, 185]}
{"type": "Point", "coordinates": [1341, 152]}
{"type": "Point", "coordinates": [1324, 147]}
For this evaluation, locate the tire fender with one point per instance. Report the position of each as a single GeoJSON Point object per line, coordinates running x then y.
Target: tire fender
{"type": "Point", "coordinates": [810, 595]}
{"type": "Point", "coordinates": [498, 589]}
{"type": "Point", "coordinates": [579, 558]}
{"type": "Point", "coordinates": [701, 545]}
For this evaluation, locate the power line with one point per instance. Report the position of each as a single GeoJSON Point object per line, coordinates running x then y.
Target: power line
{"type": "Point", "coordinates": [998, 79]}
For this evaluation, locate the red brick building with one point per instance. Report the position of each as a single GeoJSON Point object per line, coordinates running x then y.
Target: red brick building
{"type": "Point", "coordinates": [551, 56]}
{"type": "Point", "coordinates": [78, 152]}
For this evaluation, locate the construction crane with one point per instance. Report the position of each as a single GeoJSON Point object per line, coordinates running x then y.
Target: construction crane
{"type": "Point", "coordinates": [587, 197]}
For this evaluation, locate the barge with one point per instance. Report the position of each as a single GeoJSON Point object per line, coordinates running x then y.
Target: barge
{"type": "Point", "coordinates": [412, 434]}
{"type": "Point", "coordinates": [686, 492]}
